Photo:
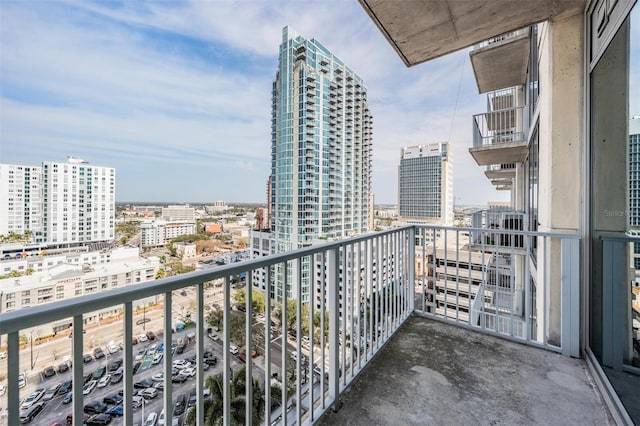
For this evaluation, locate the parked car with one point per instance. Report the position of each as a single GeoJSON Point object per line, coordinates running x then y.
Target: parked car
{"type": "Point", "coordinates": [67, 398]}
{"type": "Point", "coordinates": [189, 371]}
{"type": "Point", "coordinates": [104, 381]}
{"type": "Point", "coordinates": [112, 347]}
{"type": "Point", "coordinates": [116, 377]}
{"type": "Point", "coordinates": [3, 389]}
{"type": "Point", "coordinates": [95, 407]}
{"type": "Point", "coordinates": [136, 367]}
{"type": "Point", "coordinates": [98, 353]}
{"type": "Point", "coordinates": [89, 387]}
{"type": "Point", "coordinates": [233, 349]}
{"type": "Point", "coordinates": [193, 396]}
{"type": "Point", "coordinates": [115, 411]}
{"type": "Point", "coordinates": [114, 365]}
{"type": "Point", "coordinates": [32, 399]}
{"type": "Point", "coordinates": [98, 420]}
{"type": "Point", "coordinates": [22, 381]}
{"type": "Point", "coordinates": [157, 359]}
{"type": "Point", "coordinates": [180, 405]}
{"type": "Point", "coordinates": [63, 367]}
{"type": "Point", "coordinates": [211, 359]}
{"type": "Point", "coordinates": [180, 378]}
{"type": "Point", "coordinates": [51, 392]}
{"type": "Point", "coordinates": [101, 371]}
{"type": "Point", "coordinates": [142, 338]}
{"type": "Point", "coordinates": [158, 377]}
{"type": "Point", "coordinates": [48, 372]}
{"type": "Point", "coordinates": [134, 340]}
{"type": "Point", "coordinates": [151, 420]}
{"type": "Point", "coordinates": [30, 413]}
{"type": "Point", "coordinates": [113, 399]}
{"type": "Point", "coordinates": [137, 401]}
{"type": "Point", "coordinates": [87, 358]}
{"type": "Point", "coordinates": [143, 384]}
{"type": "Point", "coordinates": [181, 364]}
{"type": "Point", "coordinates": [65, 387]}
{"type": "Point", "coordinates": [149, 393]}
{"type": "Point", "coordinates": [150, 335]}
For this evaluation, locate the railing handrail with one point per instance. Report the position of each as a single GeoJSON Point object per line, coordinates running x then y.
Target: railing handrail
{"type": "Point", "coordinates": [28, 317]}
{"type": "Point", "coordinates": [502, 38]}
{"type": "Point", "coordinates": [496, 111]}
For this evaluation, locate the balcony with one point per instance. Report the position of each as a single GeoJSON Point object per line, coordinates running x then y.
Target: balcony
{"type": "Point", "coordinates": [501, 61]}
{"type": "Point", "coordinates": [499, 137]}
{"type": "Point", "coordinates": [501, 171]}
{"type": "Point", "coordinates": [370, 286]}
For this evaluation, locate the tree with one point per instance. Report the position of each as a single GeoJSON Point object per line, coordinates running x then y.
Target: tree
{"type": "Point", "coordinates": [257, 299]}
{"type": "Point", "coordinates": [214, 407]}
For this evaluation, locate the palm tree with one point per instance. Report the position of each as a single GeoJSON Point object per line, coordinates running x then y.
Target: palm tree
{"type": "Point", "coordinates": [214, 407]}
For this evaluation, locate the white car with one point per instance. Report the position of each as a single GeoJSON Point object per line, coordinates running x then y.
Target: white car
{"type": "Point", "coordinates": [151, 420]}
{"type": "Point", "coordinates": [32, 399]}
{"type": "Point", "coordinates": [137, 401]}
{"type": "Point", "coordinates": [149, 393]}
{"type": "Point", "coordinates": [157, 358]}
{"type": "Point", "coordinates": [181, 364]}
{"type": "Point", "coordinates": [89, 387]}
{"type": "Point", "coordinates": [158, 377]}
{"type": "Point", "coordinates": [104, 381]}
{"type": "Point", "coordinates": [161, 418]}
{"type": "Point", "coordinates": [112, 348]}
{"type": "Point", "coordinates": [142, 338]}
{"type": "Point", "coordinates": [22, 381]}
{"type": "Point", "coordinates": [3, 389]}
{"type": "Point", "coordinates": [233, 349]}
{"type": "Point", "coordinates": [189, 371]}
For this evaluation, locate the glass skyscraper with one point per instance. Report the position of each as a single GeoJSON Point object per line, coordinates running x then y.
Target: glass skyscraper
{"type": "Point", "coordinates": [320, 147]}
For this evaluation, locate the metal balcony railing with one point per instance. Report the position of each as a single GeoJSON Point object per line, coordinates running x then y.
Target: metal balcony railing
{"type": "Point", "coordinates": [499, 127]}
{"type": "Point", "coordinates": [355, 294]}
{"type": "Point", "coordinates": [503, 38]}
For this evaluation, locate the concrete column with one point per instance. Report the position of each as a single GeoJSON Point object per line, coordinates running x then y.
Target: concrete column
{"type": "Point", "coordinates": [560, 157]}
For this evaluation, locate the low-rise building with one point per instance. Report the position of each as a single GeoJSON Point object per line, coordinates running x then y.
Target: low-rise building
{"type": "Point", "coordinates": [159, 232]}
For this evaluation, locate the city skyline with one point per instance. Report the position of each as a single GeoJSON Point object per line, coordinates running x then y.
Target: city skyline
{"type": "Point", "coordinates": [180, 106]}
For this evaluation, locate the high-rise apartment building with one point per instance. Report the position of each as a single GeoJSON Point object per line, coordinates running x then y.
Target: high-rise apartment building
{"type": "Point", "coordinates": [178, 212]}
{"type": "Point", "coordinates": [321, 146]}
{"type": "Point", "coordinates": [425, 183]}
{"type": "Point", "coordinates": [58, 203]}
{"type": "Point", "coordinates": [20, 200]}
{"type": "Point", "coordinates": [78, 202]}
{"type": "Point", "coordinates": [320, 150]}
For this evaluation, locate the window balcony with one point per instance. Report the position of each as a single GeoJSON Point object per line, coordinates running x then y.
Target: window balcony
{"type": "Point", "coordinates": [499, 137]}
{"type": "Point", "coordinates": [417, 303]}
{"type": "Point", "coordinates": [501, 171]}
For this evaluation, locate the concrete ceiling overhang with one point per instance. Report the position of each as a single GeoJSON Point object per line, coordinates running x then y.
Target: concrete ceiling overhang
{"type": "Point", "coordinates": [420, 30]}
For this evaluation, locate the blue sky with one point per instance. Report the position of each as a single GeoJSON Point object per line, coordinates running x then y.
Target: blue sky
{"type": "Point", "coordinates": [176, 95]}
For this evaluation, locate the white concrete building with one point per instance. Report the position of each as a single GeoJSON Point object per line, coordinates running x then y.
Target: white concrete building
{"type": "Point", "coordinates": [21, 200]}
{"type": "Point", "coordinates": [159, 232]}
{"type": "Point", "coordinates": [178, 213]}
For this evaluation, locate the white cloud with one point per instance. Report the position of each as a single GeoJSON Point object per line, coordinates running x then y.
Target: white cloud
{"type": "Point", "coordinates": [87, 79]}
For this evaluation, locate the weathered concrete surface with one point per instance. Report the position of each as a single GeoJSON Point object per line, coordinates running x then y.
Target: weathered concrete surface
{"type": "Point", "coordinates": [438, 374]}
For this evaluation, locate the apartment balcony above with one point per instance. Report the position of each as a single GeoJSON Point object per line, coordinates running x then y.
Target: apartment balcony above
{"type": "Point", "coordinates": [501, 61]}
{"type": "Point", "coordinates": [501, 171]}
{"type": "Point", "coordinates": [437, 374]}
{"type": "Point", "coordinates": [499, 137]}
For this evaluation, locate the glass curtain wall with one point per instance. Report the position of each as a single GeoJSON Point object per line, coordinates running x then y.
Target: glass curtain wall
{"type": "Point", "coordinates": [614, 105]}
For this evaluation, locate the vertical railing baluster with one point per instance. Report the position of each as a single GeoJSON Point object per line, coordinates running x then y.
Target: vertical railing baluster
{"type": "Point", "coordinates": [127, 360]}
{"type": "Point", "coordinates": [311, 363]}
{"type": "Point", "coordinates": [13, 367]}
{"type": "Point", "coordinates": [423, 268]}
{"type": "Point", "coordinates": [298, 346]}
{"type": "Point", "coordinates": [267, 348]}
{"type": "Point", "coordinates": [333, 299]}
{"type": "Point", "coordinates": [248, 347]}
{"type": "Point", "coordinates": [342, 284]}
{"type": "Point", "coordinates": [543, 331]}
{"type": "Point", "coordinates": [323, 319]}
{"type": "Point", "coordinates": [457, 275]}
{"type": "Point", "coordinates": [283, 364]}
{"type": "Point", "coordinates": [168, 358]}
{"type": "Point", "coordinates": [199, 354]}
{"type": "Point", "coordinates": [358, 285]}
{"type": "Point", "coordinates": [78, 373]}
{"type": "Point", "coordinates": [226, 357]}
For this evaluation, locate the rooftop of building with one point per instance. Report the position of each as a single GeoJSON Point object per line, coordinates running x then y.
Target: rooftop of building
{"type": "Point", "coordinates": [440, 374]}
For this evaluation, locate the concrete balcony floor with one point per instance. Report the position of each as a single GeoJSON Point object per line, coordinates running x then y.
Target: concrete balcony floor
{"type": "Point", "coordinates": [432, 373]}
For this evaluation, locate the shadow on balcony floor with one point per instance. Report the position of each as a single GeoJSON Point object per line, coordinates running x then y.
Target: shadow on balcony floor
{"type": "Point", "coordinates": [440, 374]}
